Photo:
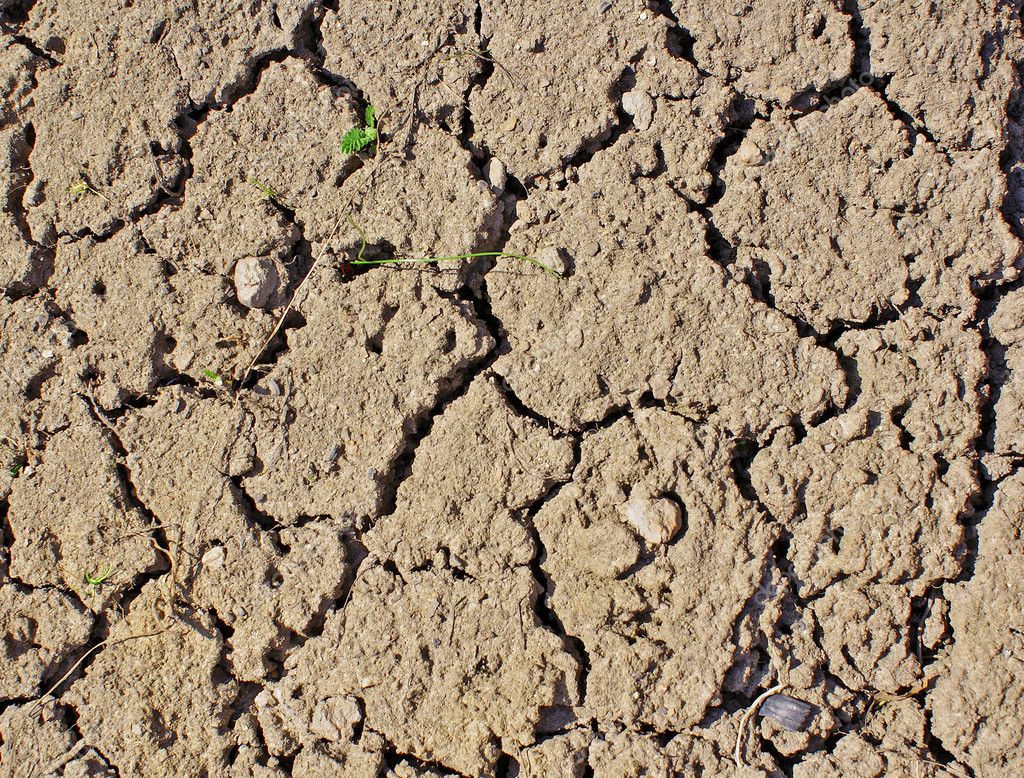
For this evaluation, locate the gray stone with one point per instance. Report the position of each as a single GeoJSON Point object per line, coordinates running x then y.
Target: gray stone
{"type": "Point", "coordinates": [256, 280]}
{"type": "Point", "coordinates": [640, 106]}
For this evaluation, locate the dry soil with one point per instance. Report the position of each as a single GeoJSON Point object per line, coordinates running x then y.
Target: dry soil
{"type": "Point", "coordinates": [471, 519]}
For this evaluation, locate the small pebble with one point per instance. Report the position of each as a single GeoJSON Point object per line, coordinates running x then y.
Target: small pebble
{"type": "Point", "coordinates": [656, 520]}
{"type": "Point", "coordinates": [749, 153]}
{"type": "Point", "coordinates": [256, 280]}
{"type": "Point", "coordinates": [791, 713]}
{"type": "Point", "coordinates": [496, 173]}
{"type": "Point", "coordinates": [640, 106]}
{"type": "Point", "coordinates": [264, 699]}
{"type": "Point", "coordinates": [214, 558]}
{"type": "Point", "coordinates": [552, 257]}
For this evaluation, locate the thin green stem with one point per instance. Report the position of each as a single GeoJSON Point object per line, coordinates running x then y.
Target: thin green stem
{"type": "Point", "coordinates": [456, 258]}
{"type": "Point", "coordinates": [362, 237]}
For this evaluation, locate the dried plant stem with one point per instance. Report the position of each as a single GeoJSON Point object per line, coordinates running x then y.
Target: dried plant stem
{"type": "Point", "coordinates": [280, 321]}
{"type": "Point", "coordinates": [738, 754]}
{"type": "Point", "coordinates": [40, 701]}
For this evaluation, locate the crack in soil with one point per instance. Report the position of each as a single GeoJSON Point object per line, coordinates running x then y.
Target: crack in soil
{"type": "Point", "coordinates": [680, 41]}
{"type": "Point", "coordinates": [457, 383]}
{"type": "Point", "coordinates": [474, 298]}
{"type": "Point", "coordinates": [863, 76]}
{"type": "Point", "coordinates": [541, 604]}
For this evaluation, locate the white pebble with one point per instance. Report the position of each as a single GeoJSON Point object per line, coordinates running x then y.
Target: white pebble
{"type": "Point", "coordinates": [256, 280]}
{"type": "Point", "coordinates": [496, 174]}
{"type": "Point", "coordinates": [656, 520]}
{"type": "Point", "coordinates": [640, 106]}
{"type": "Point", "coordinates": [214, 558]}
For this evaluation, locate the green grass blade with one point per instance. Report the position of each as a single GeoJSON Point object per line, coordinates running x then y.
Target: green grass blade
{"type": "Point", "coordinates": [458, 258]}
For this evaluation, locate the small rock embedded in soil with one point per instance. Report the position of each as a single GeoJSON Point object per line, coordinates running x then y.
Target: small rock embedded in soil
{"type": "Point", "coordinates": [750, 153]}
{"type": "Point", "coordinates": [214, 557]}
{"type": "Point", "coordinates": [497, 175]}
{"type": "Point", "coordinates": [256, 280]}
{"type": "Point", "coordinates": [552, 257]}
{"type": "Point", "coordinates": [656, 520]}
{"type": "Point", "coordinates": [640, 106]}
{"type": "Point", "coordinates": [790, 712]}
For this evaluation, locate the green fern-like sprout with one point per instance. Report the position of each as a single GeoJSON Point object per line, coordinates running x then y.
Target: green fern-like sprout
{"type": "Point", "coordinates": [358, 138]}
{"type": "Point", "coordinates": [97, 578]}
{"type": "Point", "coordinates": [214, 378]}
{"type": "Point", "coordinates": [267, 192]}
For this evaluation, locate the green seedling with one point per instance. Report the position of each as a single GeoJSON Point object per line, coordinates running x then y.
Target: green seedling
{"type": "Point", "coordinates": [82, 187]}
{"type": "Point", "coordinates": [359, 260]}
{"type": "Point", "coordinates": [266, 192]}
{"type": "Point", "coordinates": [213, 378]}
{"type": "Point", "coordinates": [15, 469]}
{"type": "Point", "coordinates": [460, 258]}
{"type": "Point", "coordinates": [358, 138]}
{"type": "Point", "coordinates": [96, 579]}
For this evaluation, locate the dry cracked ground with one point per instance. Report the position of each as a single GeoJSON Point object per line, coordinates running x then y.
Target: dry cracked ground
{"type": "Point", "coordinates": [266, 513]}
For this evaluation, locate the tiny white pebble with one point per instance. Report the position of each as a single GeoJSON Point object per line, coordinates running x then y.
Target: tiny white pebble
{"type": "Point", "coordinates": [47, 354]}
{"type": "Point", "coordinates": [214, 558]}
{"type": "Point", "coordinates": [643, 17]}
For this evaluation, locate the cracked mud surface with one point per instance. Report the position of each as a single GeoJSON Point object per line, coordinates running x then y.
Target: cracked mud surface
{"type": "Point", "coordinates": [471, 519]}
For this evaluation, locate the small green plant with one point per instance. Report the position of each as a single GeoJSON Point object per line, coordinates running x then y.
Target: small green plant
{"type": "Point", "coordinates": [267, 192]}
{"type": "Point", "coordinates": [359, 261]}
{"type": "Point", "coordinates": [15, 469]}
{"type": "Point", "coordinates": [83, 187]}
{"type": "Point", "coordinates": [97, 578]}
{"type": "Point", "coordinates": [80, 187]}
{"type": "Point", "coordinates": [358, 138]}
{"type": "Point", "coordinates": [213, 378]}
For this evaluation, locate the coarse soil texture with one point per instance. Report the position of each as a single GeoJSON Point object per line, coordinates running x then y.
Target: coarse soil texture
{"type": "Point", "coordinates": [755, 446]}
